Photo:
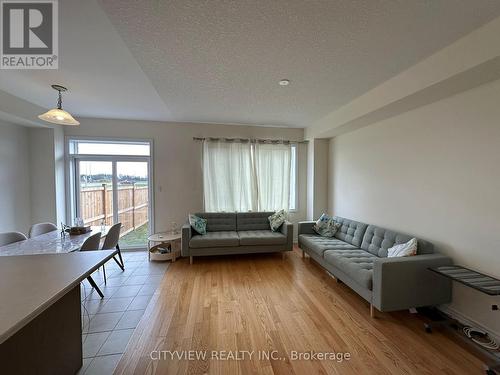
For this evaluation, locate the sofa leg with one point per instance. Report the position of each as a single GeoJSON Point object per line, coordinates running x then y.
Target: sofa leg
{"type": "Point", "coordinates": [303, 254]}
{"type": "Point", "coordinates": [372, 311]}
{"type": "Point", "coordinates": [190, 260]}
{"type": "Point", "coordinates": [283, 255]}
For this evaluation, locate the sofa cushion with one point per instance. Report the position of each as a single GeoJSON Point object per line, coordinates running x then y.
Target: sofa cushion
{"type": "Point", "coordinates": [350, 231]}
{"type": "Point", "coordinates": [406, 249]}
{"type": "Point", "coordinates": [358, 264]}
{"type": "Point", "coordinates": [198, 224]}
{"type": "Point", "coordinates": [326, 226]}
{"type": "Point", "coordinates": [276, 220]}
{"type": "Point", "coordinates": [377, 240]}
{"type": "Point", "coordinates": [215, 239]}
{"type": "Point", "coordinates": [319, 244]}
{"type": "Point", "coordinates": [253, 220]}
{"type": "Point", "coordinates": [261, 237]}
{"type": "Point", "coordinates": [219, 221]}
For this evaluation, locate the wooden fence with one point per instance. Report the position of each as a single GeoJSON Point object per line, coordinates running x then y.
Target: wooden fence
{"type": "Point", "coordinates": [96, 204]}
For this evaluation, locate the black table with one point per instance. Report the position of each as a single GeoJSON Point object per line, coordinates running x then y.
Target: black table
{"type": "Point", "coordinates": [473, 279]}
{"type": "Point", "coordinates": [480, 282]}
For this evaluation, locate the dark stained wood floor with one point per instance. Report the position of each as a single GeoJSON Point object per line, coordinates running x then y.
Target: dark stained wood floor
{"type": "Point", "coordinates": [264, 303]}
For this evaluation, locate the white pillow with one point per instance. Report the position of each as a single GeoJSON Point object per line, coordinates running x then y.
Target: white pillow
{"type": "Point", "coordinates": [403, 250]}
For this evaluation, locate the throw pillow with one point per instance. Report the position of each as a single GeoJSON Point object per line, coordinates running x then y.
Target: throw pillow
{"type": "Point", "coordinates": [198, 224]}
{"type": "Point", "coordinates": [403, 250]}
{"type": "Point", "coordinates": [326, 226]}
{"type": "Point", "coordinates": [277, 219]}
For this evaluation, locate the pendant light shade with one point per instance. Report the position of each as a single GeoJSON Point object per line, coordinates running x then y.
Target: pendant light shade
{"type": "Point", "coordinates": [58, 115]}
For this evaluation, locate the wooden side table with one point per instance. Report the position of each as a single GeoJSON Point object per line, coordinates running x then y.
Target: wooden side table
{"type": "Point", "coordinates": [164, 240]}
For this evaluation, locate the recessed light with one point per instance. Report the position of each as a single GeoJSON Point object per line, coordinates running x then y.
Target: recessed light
{"type": "Point", "coordinates": [284, 82]}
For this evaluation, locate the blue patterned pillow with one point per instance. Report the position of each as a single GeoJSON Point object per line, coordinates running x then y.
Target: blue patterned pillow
{"type": "Point", "coordinates": [326, 226]}
{"type": "Point", "coordinates": [277, 219]}
{"type": "Point", "coordinates": [198, 224]}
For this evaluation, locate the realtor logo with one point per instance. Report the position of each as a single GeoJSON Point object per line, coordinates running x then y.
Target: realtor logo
{"type": "Point", "coordinates": [29, 34]}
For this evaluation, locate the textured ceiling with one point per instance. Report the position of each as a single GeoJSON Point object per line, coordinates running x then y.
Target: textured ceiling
{"type": "Point", "coordinates": [220, 61]}
{"type": "Point", "coordinates": [103, 78]}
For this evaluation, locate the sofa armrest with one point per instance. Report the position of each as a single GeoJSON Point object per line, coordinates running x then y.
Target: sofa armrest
{"type": "Point", "coordinates": [186, 237]}
{"type": "Point", "coordinates": [287, 230]}
{"type": "Point", "coordinates": [403, 282]}
{"type": "Point", "coordinates": [305, 227]}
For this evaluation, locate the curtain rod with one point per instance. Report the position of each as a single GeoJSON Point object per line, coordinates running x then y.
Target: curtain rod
{"type": "Point", "coordinates": [251, 140]}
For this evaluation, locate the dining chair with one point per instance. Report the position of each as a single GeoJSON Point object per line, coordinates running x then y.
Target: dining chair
{"type": "Point", "coordinates": [92, 244]}
{"type": "Point", "coordinates": [111, 243]}
{"type": "Point", "coordinates": [7, 238]}
{"type": "Point", "coordinates": [41, 228]}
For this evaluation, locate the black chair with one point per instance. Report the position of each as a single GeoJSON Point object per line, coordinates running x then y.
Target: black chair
{"type": "Point", "coordinates": [92, 244]}
{"type": "Point", "coordinates": [111, 243]}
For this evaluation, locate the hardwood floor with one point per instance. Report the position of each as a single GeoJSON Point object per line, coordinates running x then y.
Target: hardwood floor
{"type": "Point", "coordinates": [263, 303]}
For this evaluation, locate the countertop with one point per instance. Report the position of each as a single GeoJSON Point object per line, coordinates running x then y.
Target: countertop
{"type": "Point", "coordinates": [30, 284]}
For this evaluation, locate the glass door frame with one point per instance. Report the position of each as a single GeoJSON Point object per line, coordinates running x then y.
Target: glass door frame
{"type": "Point", "coordinates": [73, 185]}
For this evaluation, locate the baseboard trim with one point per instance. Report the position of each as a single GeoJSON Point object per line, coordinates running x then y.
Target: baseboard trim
{"type": "Point", "coordinates": [455, 314]}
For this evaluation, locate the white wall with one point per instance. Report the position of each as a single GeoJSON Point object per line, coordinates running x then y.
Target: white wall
{"type": "Point", "coordinates": [310, 181]}
{"type": "Point", "coordinates": [320, 177]}
{"type": "Point", "coordinates": [15, 212]}
{"type": "Point", "coordinates": [317, 178]}
{"type": "Point", "coordinates": [177, 159]}
{"type": "Point", "coordinates": [433, 172]}
{"type": "Point", "coordinates": [42, 170]}
{"type": "Point", "coordinates": [60, 175]}
{"type": "Point", "coordinates": [32, 176]}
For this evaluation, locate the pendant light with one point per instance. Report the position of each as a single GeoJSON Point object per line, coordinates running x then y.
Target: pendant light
{"type": "Point", "coordinates": [58, 115]}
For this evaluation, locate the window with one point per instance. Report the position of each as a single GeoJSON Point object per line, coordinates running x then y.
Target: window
{"type": "Point", "coordinates": [109, 184]}
{"type": "Point", "coordinates": [249, 176]}
{"type": "Point", "coordinates": [93, 147]}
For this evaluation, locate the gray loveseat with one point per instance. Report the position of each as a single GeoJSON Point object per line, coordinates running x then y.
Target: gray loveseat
{"type": "Point", "coordinates": [357, 256]}
{"type": "Point", "coordinates": [236, 233]}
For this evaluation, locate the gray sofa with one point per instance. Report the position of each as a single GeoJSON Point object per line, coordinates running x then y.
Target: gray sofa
{"type": "Point", "coordinates": [357, 256]}
{"type": "Point", "coordinates": [236, 233]}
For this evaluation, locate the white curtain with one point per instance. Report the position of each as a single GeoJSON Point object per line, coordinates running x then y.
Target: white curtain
{"type": "Point", "coordinates": [228, 177]}
{"type": "Point", "coordinates": [272, 170]}
{"type": "Point", "coordinates": [242, 177]}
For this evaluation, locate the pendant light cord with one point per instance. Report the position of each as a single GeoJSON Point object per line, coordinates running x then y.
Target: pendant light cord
{"type": "Point", "coordinates": [59, 100]}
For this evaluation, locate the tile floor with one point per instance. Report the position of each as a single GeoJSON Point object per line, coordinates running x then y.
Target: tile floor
{"type": "Point", "coordinates": [109, 323]}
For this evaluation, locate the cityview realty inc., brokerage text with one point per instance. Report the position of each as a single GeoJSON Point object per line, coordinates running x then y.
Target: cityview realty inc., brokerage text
{"type": "Point", "coordinates": [242, 355]}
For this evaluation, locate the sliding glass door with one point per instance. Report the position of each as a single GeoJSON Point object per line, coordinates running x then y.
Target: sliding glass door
{"type": "Point", "coordinates": [111, 189]}
{"type": "Point", "coordinates": [133, 201]}
{"type": "Point", "coordinates": [95, 186]}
